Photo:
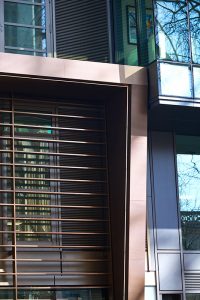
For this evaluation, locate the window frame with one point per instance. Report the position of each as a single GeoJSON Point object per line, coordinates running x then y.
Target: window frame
{"type": "Point", "coordinates": [49, 38]}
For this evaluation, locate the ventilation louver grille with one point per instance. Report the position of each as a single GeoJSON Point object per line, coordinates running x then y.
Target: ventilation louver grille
{"type": "Point", "coordinates": [82, 30]}
{"type": "Point", "coordinates": [192, 281]}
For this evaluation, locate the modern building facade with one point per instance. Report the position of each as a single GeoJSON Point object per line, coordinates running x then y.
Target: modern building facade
{"type": "Point", "coordinates": [99, 155]}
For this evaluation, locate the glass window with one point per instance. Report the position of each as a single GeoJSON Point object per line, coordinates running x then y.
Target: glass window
{"type": "Point", "coordinates": [194, 9]}
{"type": "Point", "coordinates": [188, 168]}
{"type": "Point", "coordinates": [125, 31]}
{"type": "Point", "coordinates": [25, 27]}
{"type": "Point", "coordinates": [172, 31]}
{"type": "Point", "coordinates": [175, 80]}
{"type": "Point", "coordinates": [150, 36]}
{"type": "Point", "coordinates": [146, 32]}
{"type": "Point", "coordinates": [23, 37]}
{"type": "Point", "coordinates": [24, 14]}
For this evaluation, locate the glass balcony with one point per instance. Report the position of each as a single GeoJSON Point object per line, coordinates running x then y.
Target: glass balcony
{"type": "Point", "coordinates": [177, 48]}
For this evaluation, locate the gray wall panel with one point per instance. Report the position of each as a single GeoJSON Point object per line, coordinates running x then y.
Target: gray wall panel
{"type": "Point", "coordinates": [192, 262]}
{"type": "Point", "coordinates": [165, 191]}
{"type": "Point", "coordinates": [170, 271]}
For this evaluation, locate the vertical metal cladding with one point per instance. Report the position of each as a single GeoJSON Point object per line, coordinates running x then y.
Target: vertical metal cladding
{"type": "Point", "coordinates": [82, 30]}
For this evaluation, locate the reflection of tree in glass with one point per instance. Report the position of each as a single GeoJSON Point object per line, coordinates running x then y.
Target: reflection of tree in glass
{"type": "Point", "coordinates": [173, 29]}
{"type": "Point", "coordinates": [189, 199]}
{"type": "Point", "coordinates": [194, 10]}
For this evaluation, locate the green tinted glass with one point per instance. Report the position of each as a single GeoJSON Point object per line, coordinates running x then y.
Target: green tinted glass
{"type": "Point", "coordinates": [126, 51]}
{"type": "Point", "coordinates": [24, 14]}
{"type": "Point", "coordinates": [24, 37]}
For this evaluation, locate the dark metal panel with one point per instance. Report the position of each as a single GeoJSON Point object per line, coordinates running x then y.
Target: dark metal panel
{"type": "Point", "coordinates": [165, 191]}
{"type": "Point", "coordinates": [82, 30]}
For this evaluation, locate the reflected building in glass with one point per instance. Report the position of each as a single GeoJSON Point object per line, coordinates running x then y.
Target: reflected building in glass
{"type": "Point", "coordinates": [100, 149]}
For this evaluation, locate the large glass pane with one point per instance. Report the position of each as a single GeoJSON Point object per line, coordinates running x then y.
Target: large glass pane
{"type": "Point", "coordinates": [145, 28]}
{"type": "Point", "coordinates": [17, 16]}
{"type": "Point", "coordinates": [125, 32]}
{"type": "Point", "coordinates": [172, 30]}
{"type": "Point", "coordinates": [194, 9]}
{"type": "Point", "coordinates": [175, 80]}
{"type": "Point", "coordinates": [23, 37]}
{"type": "Point", "coordinates": [188, 168]}
{"type": "Point", "coordinates": [24, 14]}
